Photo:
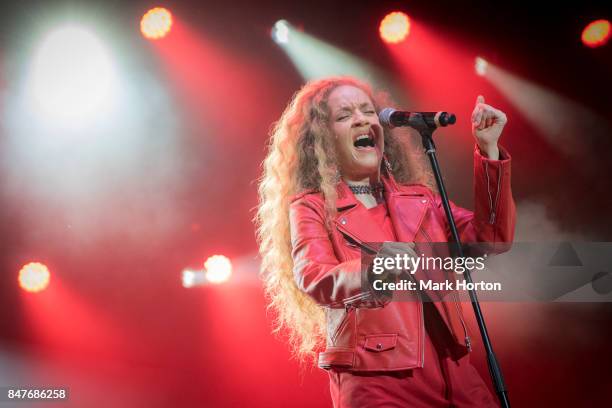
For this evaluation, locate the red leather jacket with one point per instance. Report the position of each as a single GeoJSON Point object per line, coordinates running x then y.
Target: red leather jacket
{"type": "Point", "coordinates": [362, 333]}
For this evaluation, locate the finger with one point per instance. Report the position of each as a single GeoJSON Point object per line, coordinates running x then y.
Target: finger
{"type": "Point", "coordinates": [401, 248]}
{"type": "Point", "coordinates": [488, 115]}
{"type": "Point", "coordinates": [483, 123]}
{"type": "Point", "coordinates": [480, 105]}
{"type": "Point", "coordinates": [481, 116]}
{"type": "Point", "coordinates": [391, 248]}
{"type": "Point", "coordinates": [404, 247]}
{"type": "Point", "coordinates": [477, 116]}
{"type": "Point", "coordinates": [412, 253]}
{"type": "Point", "coordinates": [495, 112]}
{"type": "Point", "coordinates": [474, 113]}
{"type": "Point", "coordinates": [500, 117]}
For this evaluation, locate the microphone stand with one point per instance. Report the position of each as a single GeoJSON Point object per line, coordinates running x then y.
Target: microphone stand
{"type": "Point", "coordinates": [426, 132]}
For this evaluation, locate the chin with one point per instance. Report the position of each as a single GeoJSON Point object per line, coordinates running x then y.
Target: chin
{"type": "Point", "coordinates": [368, 168]}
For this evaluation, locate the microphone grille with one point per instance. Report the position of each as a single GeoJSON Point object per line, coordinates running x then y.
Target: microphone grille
{"type": "Point", "coordinates": [385, 116]}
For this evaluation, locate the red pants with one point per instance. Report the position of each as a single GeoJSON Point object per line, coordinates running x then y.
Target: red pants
{"type": "Point", "coordinates": [442, 382]}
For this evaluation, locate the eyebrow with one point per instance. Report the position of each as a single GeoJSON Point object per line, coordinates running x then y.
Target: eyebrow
{"type": "Point", "coordinates": [363, 105]}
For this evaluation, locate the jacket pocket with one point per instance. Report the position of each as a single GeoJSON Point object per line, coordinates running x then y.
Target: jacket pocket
{"type": "Point", "coordinates": [380, 342]}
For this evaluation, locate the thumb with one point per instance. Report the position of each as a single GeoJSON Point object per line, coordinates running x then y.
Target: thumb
{"type": "Point", "coordinates": [480, 99]}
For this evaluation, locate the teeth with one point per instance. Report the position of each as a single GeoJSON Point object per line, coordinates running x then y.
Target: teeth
{"type": "Point", "coordinates": [362, 137]}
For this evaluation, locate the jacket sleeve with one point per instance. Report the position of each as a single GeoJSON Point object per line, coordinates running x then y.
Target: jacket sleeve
{"type": "Point", "coordinates": [494, 216]}
{"type": "Point", "coordinates": [316, 268]}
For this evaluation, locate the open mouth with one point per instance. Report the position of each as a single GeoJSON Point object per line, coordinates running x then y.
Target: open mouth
{"type": "Point", "coordinates": [364, 141]}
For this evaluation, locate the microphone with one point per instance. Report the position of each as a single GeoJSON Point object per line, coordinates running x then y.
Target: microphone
{"type": "Point", "coordinates": [394, 118]}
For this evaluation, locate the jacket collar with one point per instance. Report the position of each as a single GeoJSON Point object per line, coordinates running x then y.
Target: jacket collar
{"type": "Point", "coordinates": [346, 198]}
{"type": "Point", "coordinates": [406, 207]}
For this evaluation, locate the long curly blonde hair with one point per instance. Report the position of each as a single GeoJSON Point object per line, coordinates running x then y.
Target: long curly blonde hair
{"type": "Point", "coordinates": [301, 155]}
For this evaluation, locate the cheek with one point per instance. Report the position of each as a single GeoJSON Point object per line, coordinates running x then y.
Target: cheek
{"type": "Point", "coordinates": [340, 135]}
{"type": "Point", "coordinates": [338, 130]}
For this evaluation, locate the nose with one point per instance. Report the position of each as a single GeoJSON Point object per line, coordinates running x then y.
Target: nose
{"type": "Point", "coordinates": [360, 119]}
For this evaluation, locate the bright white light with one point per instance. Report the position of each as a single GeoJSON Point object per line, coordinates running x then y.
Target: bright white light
{"type": "Point", "coordinates": [218, 269]}
{"type": "Point", "coordinates": [193, 278]}
{"type": "Point", "coordinates": [481, 66]}
{"type": "Point", "coordinates": [72, 77]}
{"type": "Point", "coordinates": [34, 277]}
{"type": "Point", "coordinates": [280, 32]}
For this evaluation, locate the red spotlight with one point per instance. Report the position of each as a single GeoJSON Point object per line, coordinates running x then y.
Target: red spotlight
{"type": "Point", "coordinates": [34, 277]}
{"type": "Point", "coordinates": [395, 27]}
{"type": "Point", "coordinates": [156, 23]}
{"type": "Point", "coordinates": [596, 34]}
{"type": "Point", "coordinates": [218, 269]}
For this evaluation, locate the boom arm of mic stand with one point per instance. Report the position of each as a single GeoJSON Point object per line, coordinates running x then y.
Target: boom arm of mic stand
{"type": "Point", "coordinates": [494, 368]}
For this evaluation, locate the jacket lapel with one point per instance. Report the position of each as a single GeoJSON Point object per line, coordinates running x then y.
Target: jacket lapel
{"type": "Point", "coordinates": [354, 220]}
{"type": "Point", "coordinates": [407, 210]}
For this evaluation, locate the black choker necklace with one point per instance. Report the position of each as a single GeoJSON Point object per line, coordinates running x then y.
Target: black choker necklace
{"type": "Point", "coordinates": [367, 189]}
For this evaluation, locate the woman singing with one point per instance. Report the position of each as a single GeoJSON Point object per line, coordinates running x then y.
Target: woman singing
{"type": "Point", "coordinates": [334, 181]}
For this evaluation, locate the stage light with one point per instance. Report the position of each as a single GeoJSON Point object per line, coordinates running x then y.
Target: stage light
{"type": "Point", "coordinates": [156, 23]}
{"type": "Point", "coordinates": [555, 117]}
{"type": "Point", "coordinates": [315, 58]}
{"type": "Point", "coordinates": [280, 32]}
{"type": "Point", "coordinates": [481, 65]}
{"type": "Point", "coordinates": [596, 34]}
{"type": "Point", "coordinates": [192, 278]}
{"type": "Point", "coordinates": [395, 27]}
{"type": "Point", "coordinates": [34, 277]}
{"type": "Point", "coordinates": [72, 77]}
{"type": "Point", "coordinates": [218, 269]}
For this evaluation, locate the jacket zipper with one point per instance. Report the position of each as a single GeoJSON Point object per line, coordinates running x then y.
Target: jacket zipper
{"type": "Point", "coordinates": [499, 174]}
{"type": "Point", "coordinates": [492, 205]}
{"type": "Point", "coordinates": [421, 306]}
{"type": "Point", "coordinates": [348, 308]}
{"type": "Point", "coordinates": [468, 342]}
{"type": "Point", "coordinates": [369, 248]}
{"type": "Point", "coordinates": [360, 296]}
{"type": "Point", "coordinates": [422, 334]}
